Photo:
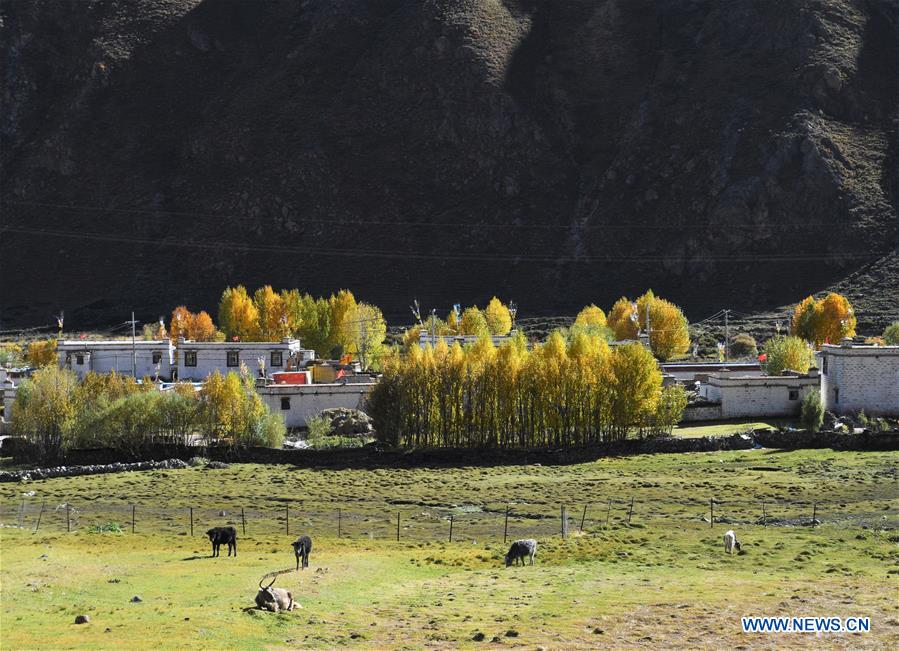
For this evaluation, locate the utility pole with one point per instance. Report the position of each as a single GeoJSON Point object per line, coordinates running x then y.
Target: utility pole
{"type": "Point", "coordinates": [726, 334]}
{"type": "Point", "coordinates": [648, 327]}
{"type": "Point", "coordinates": [133, 347]}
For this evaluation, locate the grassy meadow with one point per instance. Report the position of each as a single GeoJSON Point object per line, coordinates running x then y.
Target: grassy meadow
{"type": "Point", "coordinates": [660, 581]}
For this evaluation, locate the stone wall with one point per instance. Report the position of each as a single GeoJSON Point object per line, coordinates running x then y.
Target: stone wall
{"type": "Point", "coordinates": [372, 456]}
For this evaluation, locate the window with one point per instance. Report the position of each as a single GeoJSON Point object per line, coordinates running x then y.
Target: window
{"type": "Point", "coordinates": [794, 394]}
{"type": "Point", "coordinates": [277, 359]}
{"type": "Point", "coordinates": [79, 359]}
{"type": "Point", "coordinates": [836, 396]}
{"type": "Point", "coordinates": [824, 365]}
{"type": "Point", "coordinates": [285, 403]}
{"type": "Point", "coordinates": [157, 357]}
{"type": "Point", "coordinates": [233, 358]}
{"type": "Point", "coordinates": [190, 358]}
{"type": "Point", "coordinates": [68, 360]}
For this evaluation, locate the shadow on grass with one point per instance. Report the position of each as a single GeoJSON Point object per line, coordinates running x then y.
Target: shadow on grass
{"type": "Point", "coordinates": [195, 558]}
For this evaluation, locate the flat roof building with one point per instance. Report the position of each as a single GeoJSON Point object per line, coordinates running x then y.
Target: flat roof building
{"type": "Point", "coordinates": [151, 358]}
{"type": "Point", "coordinates": [858, 377]}
{"type": "Point", "coordinates": [199, 359]}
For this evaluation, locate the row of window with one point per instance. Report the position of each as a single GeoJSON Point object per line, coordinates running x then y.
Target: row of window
{"type": "Point", "coordinates": [190, 358]}
{"type": "Point", "coordinates": [79, 358]}
{"type": "Point", "coordinates": [233, 359]}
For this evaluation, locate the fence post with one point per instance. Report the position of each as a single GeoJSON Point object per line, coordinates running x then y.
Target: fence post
{"type": "Point", "coordinates": [711, 512]}
{"type": "Point", "coordinates": [630, 511]}
{"type": "Point", "coordinates": [338, 523]}
{"type": "Point", "coordinates": [564, 516]}
{"type": "Point", "coordinates": [287, 519]}
{"type": "Point", "coordinates": [243, 522]}
{"type": "Point", "coordinates": [506, 526]}
{"type": "Point", "coordinates": [132, 518]}
{"type": "Point", "coordinates": [397, 526]}
{"type": "Point", "coordinates": [191, 521]}
{"type": "Point", "coordinates": [68, 518]}
{"type": "Point", "coordinates": [583, 518]}
{"type": "Point", "coordinates": [608, 513]}
{"type": "Point", "coordinates": [38, 525]}
{"type": "Point", "coordinates": [22, 514]}
{"type": "Point", "coordinates": [814, 514]}
{"type": "Point", "coordinates": [451, 528]}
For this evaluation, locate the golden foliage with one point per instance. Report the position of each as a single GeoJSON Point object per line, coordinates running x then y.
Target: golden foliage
{"type": "Point", "coordinates": [238, 316]}
{"type": "Point", "coordinates": [498, 317]}
{"type": "Point", "coordinates": [556, 394]}
{"type": "Point", "coordinates": [822, 321]}
{"type": "Point", "coordinates": [41, 353]}
{"type": "Point", "coordinates": [591, 316]}
{"type": "Point", "coordinates": [621, 319]}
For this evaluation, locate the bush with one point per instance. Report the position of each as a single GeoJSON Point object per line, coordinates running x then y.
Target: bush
{"type": "Point", "coordinates": [891, 334]}
{"type": "Point", "coordinates": [743, 345]}
{"type": "Point", "coordinates": [109, 527]}
{"type": "Point", "coordinates": [812, 416]}
{"type": "Point", "coordinates": [318, 426]}
{"type": "Point", "coordinates": [787, 353]}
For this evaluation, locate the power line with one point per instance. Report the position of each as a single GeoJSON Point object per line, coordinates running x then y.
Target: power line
{"type": "Point", "coordinates": [406, 224]}
{"type": "Point", "coordinates": [392, 255]}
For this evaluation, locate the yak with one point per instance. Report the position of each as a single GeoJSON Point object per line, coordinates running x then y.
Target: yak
{"type": "Point", "coordinates": [219, 536]}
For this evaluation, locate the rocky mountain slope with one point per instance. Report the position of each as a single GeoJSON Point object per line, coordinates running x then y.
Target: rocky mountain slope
{"type": "Point", "coordinates": [737, 154]}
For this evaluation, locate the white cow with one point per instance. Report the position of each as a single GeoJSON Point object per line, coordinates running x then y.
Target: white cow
{"type": "Point", "coordinates": [731, 542]}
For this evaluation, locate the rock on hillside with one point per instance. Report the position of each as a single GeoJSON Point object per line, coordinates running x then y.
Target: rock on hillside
{"type": "Point", "coordinates": [558, 153]}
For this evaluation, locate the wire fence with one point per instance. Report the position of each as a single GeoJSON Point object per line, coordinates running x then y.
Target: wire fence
{"type": "Point", "coordinates": [420, 522]}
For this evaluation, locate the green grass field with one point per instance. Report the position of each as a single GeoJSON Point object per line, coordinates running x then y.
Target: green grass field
{"type": "Point", "coordinates": [731, 427]}
{"type": "Point", "coordinates": [663, 581]}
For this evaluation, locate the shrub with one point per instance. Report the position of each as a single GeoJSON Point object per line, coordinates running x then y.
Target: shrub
{"type": "Point", "coordinates": [670, 410]}
{"type": "Point", "coordinates": [891, 334]}
{"type": "Point", "coordinates": [743, 345]}
{"type": "Point", "coordinates": [109, 527]}
{"type": "Point", "coordinates": [787, 353]}
{"type": "Point", "coordinates": [318, 427]}
{"type": "Point", "coordinates": [812, 416]}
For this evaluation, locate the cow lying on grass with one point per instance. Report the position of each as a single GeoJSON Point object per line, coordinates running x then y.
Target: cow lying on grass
{"type": "Point", "coordinates": [219, 536]}
{"type": "Point", "coordinates": [275, 599]}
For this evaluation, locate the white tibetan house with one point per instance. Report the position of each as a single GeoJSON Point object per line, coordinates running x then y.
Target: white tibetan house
{"type": "Point", "coordinates": [197, 360]}
{"type": "Point", "coordinates": [859, 377]}
{"type": "Point", "coordinates": [140, 358]}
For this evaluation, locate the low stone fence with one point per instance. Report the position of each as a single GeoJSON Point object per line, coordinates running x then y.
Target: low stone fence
{"type": "Point", "coordinates": [82, 462]}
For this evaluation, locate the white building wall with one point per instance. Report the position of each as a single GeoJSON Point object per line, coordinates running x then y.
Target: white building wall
{"type": "Point", "coordinates": [9, 398]}
{"type": "Point", "coordinates": [108, 356]}
{"type": "Point", "coordinates": [860, 378]}
{"type": "Point", "coordinates": [759, 397]}
{"type": "Point", "coordinates": [307, 401]}
{"type": "Point", "coordinates": [213, 356]}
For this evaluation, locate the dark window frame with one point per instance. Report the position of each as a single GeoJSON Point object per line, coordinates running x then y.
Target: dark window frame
{"type": "Point", "coordinates": [824, 365]}
{"type": "Point", "coordinates": [190, 358]}
{"type": "Point", "coordinates": [276, 354]}
{"type": "Point", "coordinates": [794, 394]}
{"type": "Point", "coordinates": [232, 359]}
{"type": "Point", "coordinates": [79, 359]}
{"type": "Point", "coordinates": [157, 357]}
{"type": "Point", "coordinates": [836, 395]}
{"type": "Point", "coordinates": [285, 403]}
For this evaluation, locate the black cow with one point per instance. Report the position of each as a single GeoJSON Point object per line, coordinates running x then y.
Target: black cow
{"type": "Point", "coordinates": [301, 548]}
{"type": "Point", "coordinates": [223, 536]}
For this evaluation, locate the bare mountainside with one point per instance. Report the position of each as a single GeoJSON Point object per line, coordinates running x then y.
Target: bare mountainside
{"type": "Point", "coordinates": [738, 154]}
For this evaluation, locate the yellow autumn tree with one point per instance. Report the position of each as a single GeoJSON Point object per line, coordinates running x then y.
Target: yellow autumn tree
{"type": "Point", "coordinates": [591, 316]}
{"type": "Point", "coordinates": [498, 317]}
{"type": "Point", "coordinates": [837, 320]}
{"type": "Point", "coordinates": [41, 353]}
{"type": "Point", "coordinates": [202, 328]}
{"type": "Point", "coordinates": [825, 320]}
{"type": "Point", "coordinates": [669, 335]}
{"type": "Point", "coordinates": [342, 308]}
{"type": "Point", "coordinates": [621, 319]}
{"type": "Point", "coordinates": [804, 323]}
{"type": "Point", "coordinates": [238, 316]}
{"type": "Point", "coordinates": [273, 321]}
{"type": "Point", "coordinates": [473, 322]}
